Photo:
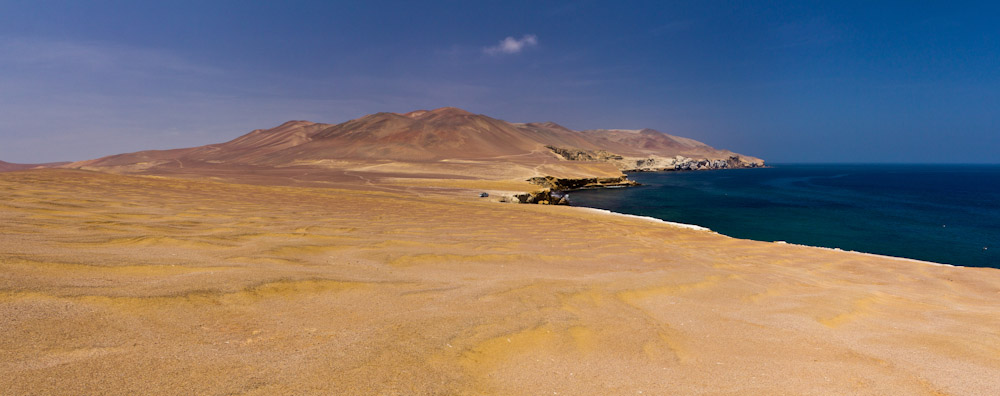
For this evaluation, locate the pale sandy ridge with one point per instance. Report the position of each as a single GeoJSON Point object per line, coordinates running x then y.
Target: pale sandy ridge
{"type": "Point", "coordinates": [115, 284]}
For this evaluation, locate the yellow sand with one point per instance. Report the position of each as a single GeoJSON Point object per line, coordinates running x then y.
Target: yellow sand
{"type": "Point", "coordinates": [137, 285]}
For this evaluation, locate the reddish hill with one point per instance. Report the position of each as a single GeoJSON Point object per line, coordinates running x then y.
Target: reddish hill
{"type": "Point", "coordinates": [246, 149]}
{"type": "Point", "coordinates": [446, 133]}
{"type": "Point", "coordinates": [644, 142]}
{"type": "Point", "coordinates": [419, 136]}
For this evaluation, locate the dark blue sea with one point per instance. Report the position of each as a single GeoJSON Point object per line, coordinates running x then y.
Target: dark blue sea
{"type": "Point", "coordinates": [942, 213]}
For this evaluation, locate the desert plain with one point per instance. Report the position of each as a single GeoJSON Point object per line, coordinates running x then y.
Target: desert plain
{"type": "Point", "coordinates": [139, 284]}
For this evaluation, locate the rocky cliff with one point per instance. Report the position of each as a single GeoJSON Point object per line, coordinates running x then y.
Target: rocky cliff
{"type": "Point", "coordinates": [654, 162]}
{"type": "Point", "coordinates": [554, 192]}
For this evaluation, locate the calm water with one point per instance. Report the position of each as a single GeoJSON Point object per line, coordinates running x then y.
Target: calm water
{"type": "Point", "coordinates": [942, 213]}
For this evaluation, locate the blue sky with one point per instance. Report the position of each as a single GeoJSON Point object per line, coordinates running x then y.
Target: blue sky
{"type": "Point", "coordinates": [786, 81]}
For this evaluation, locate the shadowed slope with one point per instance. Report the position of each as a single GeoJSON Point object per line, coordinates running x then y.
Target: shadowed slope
{"type": "Point", "coordinates": [250, 148]}
{"type": "Point", "coordinates": [446, 133]}
{"type": "Point", "coordinates": [8, 166]}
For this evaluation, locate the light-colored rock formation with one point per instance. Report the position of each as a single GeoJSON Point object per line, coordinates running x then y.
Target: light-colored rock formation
{"type": "Point", "coordinates": [656, 163]}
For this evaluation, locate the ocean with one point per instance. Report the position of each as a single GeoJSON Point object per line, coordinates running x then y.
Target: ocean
{"type": "Point", "coordinates": [942, 213]}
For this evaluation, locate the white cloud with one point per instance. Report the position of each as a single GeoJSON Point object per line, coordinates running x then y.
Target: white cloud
{"type": "Point", "coordinates": [511, 45]}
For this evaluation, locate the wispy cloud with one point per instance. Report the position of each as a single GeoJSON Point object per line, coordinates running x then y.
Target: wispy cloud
{"type": "Point", "coordinates": [511, 45]}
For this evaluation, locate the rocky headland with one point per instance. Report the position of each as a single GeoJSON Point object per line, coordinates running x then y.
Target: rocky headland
{"type": "Point", "coordinates": [554, 189]}
{"type": "Point", "coordinates": [656, 163]}
{"type": "Point", "coordinates": [442, 151]}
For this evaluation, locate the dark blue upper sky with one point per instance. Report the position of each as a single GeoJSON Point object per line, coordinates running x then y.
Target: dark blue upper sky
{"type": "Point", "coordinates": [795, 81]}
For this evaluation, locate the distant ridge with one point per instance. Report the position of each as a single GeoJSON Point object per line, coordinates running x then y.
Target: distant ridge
{"type": "Point", "coordinates": [421, 136]}
{"type": "Point", "coordinates": [10, 167]}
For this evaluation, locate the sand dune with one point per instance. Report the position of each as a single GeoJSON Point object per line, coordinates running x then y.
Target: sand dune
{"type": "Point", "coordinates": [117, 284]}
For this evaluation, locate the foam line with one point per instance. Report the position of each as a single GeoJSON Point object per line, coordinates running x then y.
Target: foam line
{"type": "Point", "coordinates": [647, 218]}
{"type": "Point", "coordinates": [700, 228]}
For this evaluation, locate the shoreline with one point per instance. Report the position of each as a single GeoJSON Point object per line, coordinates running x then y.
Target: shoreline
{"type": "Point", "coordinates": [276, 289]}
{"type": "Point", "coordinates": [649, 218]}
{"type": "Point", "coordinates": [700, 228]}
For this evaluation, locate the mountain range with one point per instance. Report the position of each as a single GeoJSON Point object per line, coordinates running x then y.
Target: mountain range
{"type": "Point", "coordinates": [446, 143]}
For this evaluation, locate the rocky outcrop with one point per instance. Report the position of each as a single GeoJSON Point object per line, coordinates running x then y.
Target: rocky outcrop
{"type": "Point", "coordinates": [656, 163]}
{"type": "Point", "coordinates": [544, 197]}
{"type": "Point", "coordinates": [558, 184]}
{"type": "Point", "coordinates": [653, 164]}
{"type": "Point", "coordinates": [585, 155]}
{"type": "Point", "coordinates": [556, 188]}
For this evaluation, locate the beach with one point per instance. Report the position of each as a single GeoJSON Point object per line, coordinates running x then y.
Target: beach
{"type": "Point", "coordinates": [115, 284]}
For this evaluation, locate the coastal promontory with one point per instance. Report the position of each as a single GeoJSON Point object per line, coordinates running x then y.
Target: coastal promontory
{"type": "Point", "coordinates": [445, 148]}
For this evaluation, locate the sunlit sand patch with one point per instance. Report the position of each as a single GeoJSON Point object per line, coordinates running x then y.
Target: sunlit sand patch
{"type": "Point", "coordinates": [762, 296]}
{"type": "Point", "coordinates": [858, 307]}
{"type": "Point", "coordinates": [487, 354]}
{"type": "Point", "coordinates": [413, 244]}
{"type": "Point", "coordinates": [110, 229]}
{"type": "Point", "coordinates": [64, 269]}
{"type": "Point", "coordinates": [53, 358]}
{"type": "Point", "coordinates": [441, 259]}
{"type": "Point", "coordinates": [295, 250]}
{"type": "Point", "coordinates": [214, 230]}
{"type": "Point", "coordinates": [201, 215]}
{"type": "Point", "coordinates": [283, 289]}
{"type": "Point", "coordinates": [431, 258]}
{"type": "Point", "coordinates": [591, 298]}
{"type": "Point", "coordinates": [658, 341]}
{"type": "Point", "coordinates": [264, 260]}
{"type": "Point", "coordinates": [636, 296]}
{"type": "Point", "coordinates": [983, 347]}
{"type": "Point", "coordinates": [538, 352]}
{"type": "Point", "coordinates": [284, 237]}
{"type": "Point", "coordinates": [315, 229]}
{"type": "Point", "coordinates": [151, 241]}
{"type": "Point", "coordinates": [136, 216]}
{"type": "Point", "coordinates": [495, 247]}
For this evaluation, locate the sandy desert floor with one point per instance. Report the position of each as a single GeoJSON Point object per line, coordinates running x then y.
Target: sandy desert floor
{"type": "Point", "coordinates": [115, 284]}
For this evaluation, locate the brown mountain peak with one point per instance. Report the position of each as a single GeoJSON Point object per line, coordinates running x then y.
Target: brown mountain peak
{"type": "Point", "coordinates": [415, 113]}
{"type": "Point", "coordinates": [436, 113]}
{"type": "Point", "coordinates": [450, 111]}
{"type": "Point", "coordinates": [547, 124]}
{"type": "Point", "coordinates": [295, 123]}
